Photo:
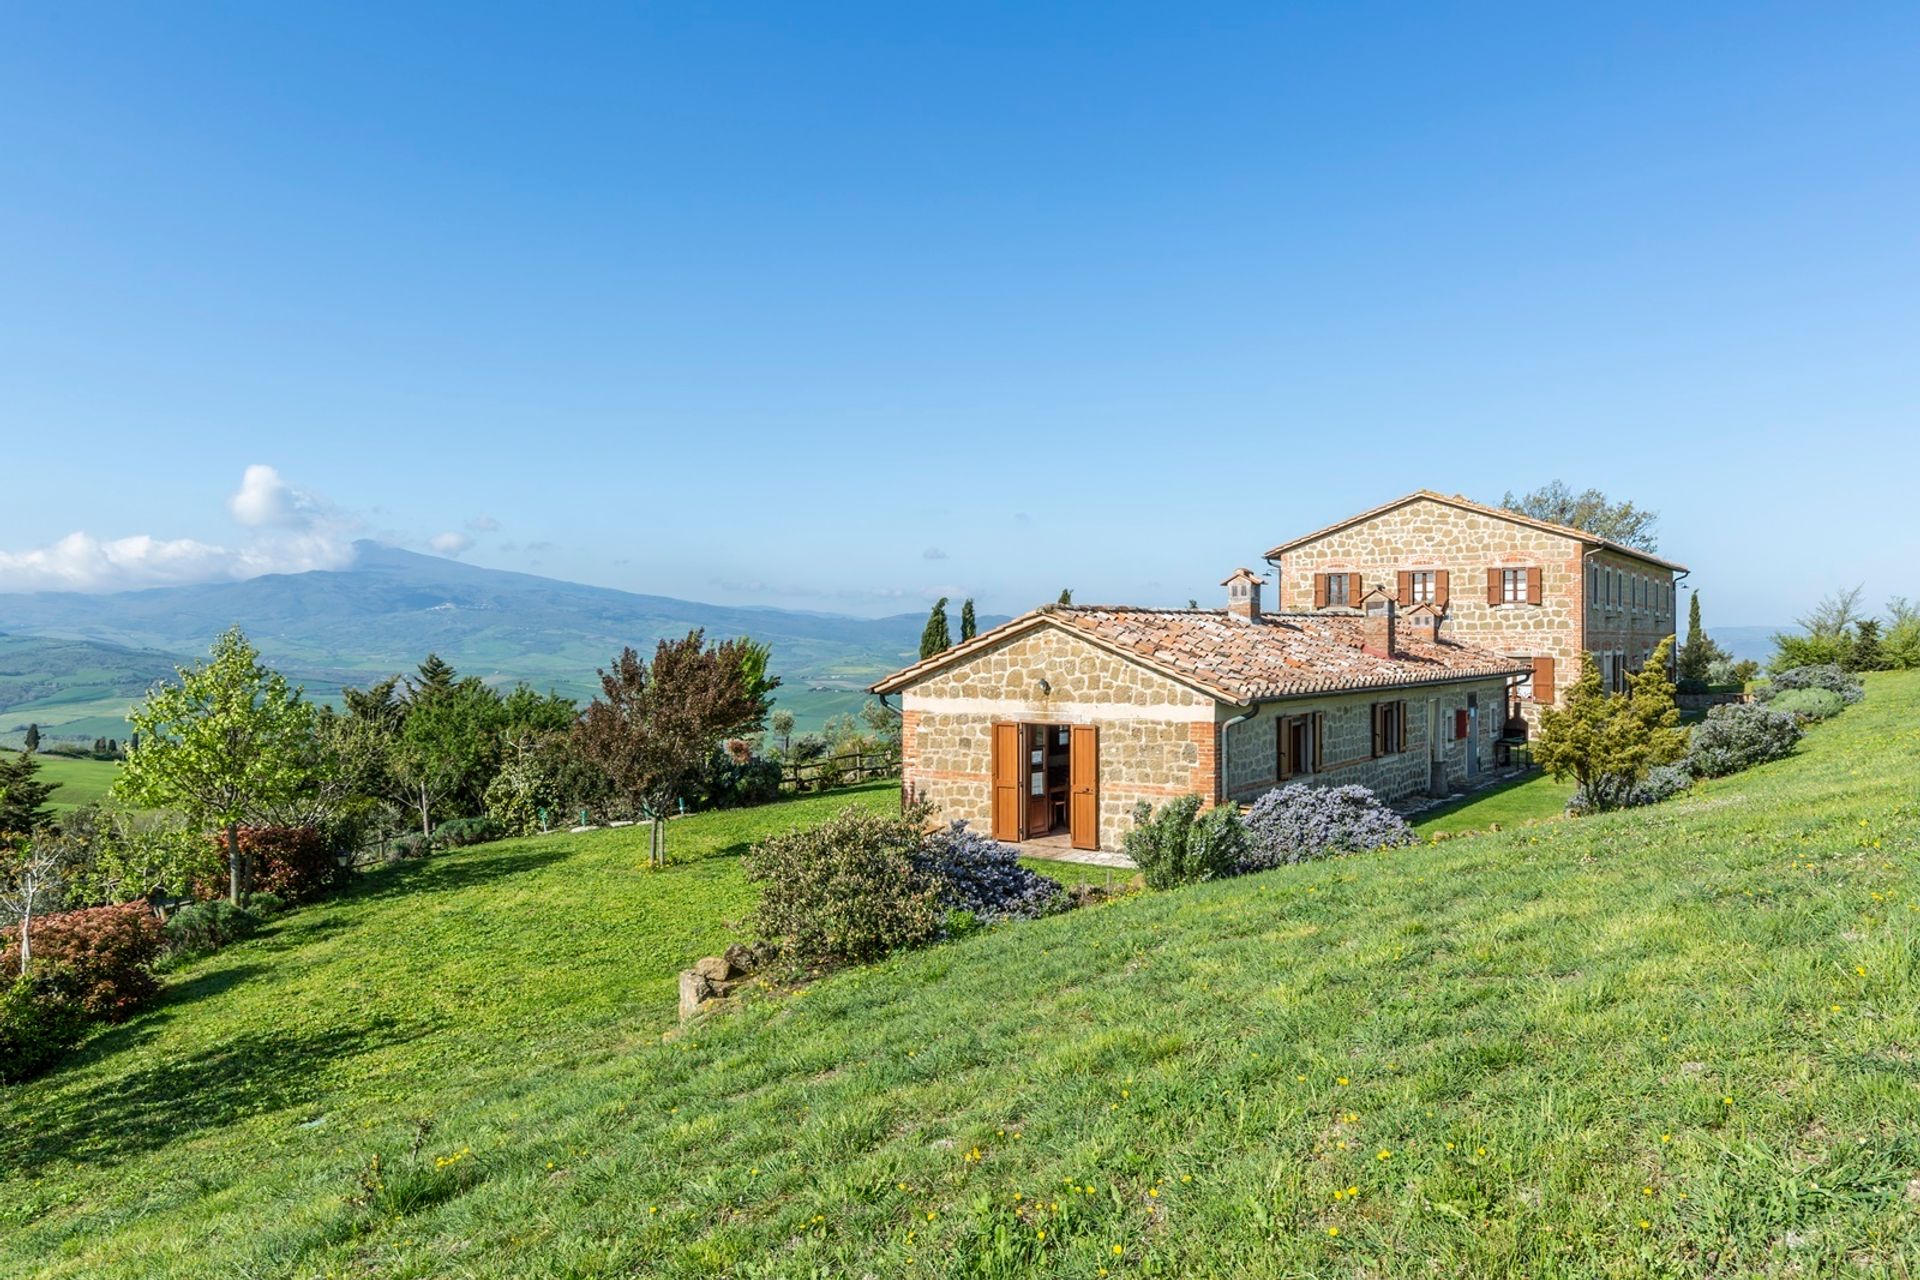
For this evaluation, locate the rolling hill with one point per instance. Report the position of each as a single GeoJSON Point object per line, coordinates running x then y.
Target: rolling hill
{"type": "Point", "coordinates": [73, 662]}
{"type": "Point", "coordinates": [1663, 1042]}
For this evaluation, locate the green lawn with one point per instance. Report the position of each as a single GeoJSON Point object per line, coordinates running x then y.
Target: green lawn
{"type": "Point", "coordinates": [1529, 798]}
{"type": "Point", "coordinates": [81, 781]}
{"type": "Point", "coordinates": [1672, 1042]}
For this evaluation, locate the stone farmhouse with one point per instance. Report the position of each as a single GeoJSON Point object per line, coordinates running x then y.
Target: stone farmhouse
{"type": "Point", "coordinates": [1538, 592]}
{"type": "Point", "coordinates": [1054, 725]}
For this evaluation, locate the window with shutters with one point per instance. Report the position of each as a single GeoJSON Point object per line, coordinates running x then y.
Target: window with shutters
{"type": "Point", "coordinates": [1420, 587]}
{"type": "Point", "coordinates": [1389, 728]}
{"type": "Point", "coordinates": [1337, 590]}
{"type": "Point", "coordinates": [1513, 586]}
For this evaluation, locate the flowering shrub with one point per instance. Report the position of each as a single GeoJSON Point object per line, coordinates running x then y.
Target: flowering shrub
{"type": "Point", "coordinates": [1739, 736]}
{"type": "Point", "coordinates": [1297, 822]}
{"type": "Point", "coordinates": [39, 1022]}
{"type": "Point", "coordinates": [1180, 845]}
{"type": "Point", "coordinates": [1809, 705]}
{"type": "Point", "coordinates": [1825, 675]}
{"type": "Point", "coordinates": [982, 876]}
{"type": "Point", "coordinates": [1663, 782]}
{"type": "Point", "coordinates": [847, 891]}
{"type": "Point", "coordinates": [106, 953]}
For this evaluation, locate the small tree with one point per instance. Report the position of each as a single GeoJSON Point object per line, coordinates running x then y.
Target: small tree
{"type": "Point", "coordinates": [935, 638]}
{"type": "Point", "coordinates": [33, 737]}
{"type": "Point", "coordinates": [1608, 742]}
{"type": "Point", "coordinates": [1693, 654]}
{"type": "Point", "coordinates": [1066, 596]}
{"type": "Point", "coordinates": [29, 872]}
{"type": "Point", "coordinates": [968, 627]}
{"type": "Point", "coordinates": [782, 724]}
{"type": "Point", "coordinates": [449, 743]}
{"type": "Point", "coordinates": [654, 727]}
{"type": "Point", "coordinates": [223, 744]}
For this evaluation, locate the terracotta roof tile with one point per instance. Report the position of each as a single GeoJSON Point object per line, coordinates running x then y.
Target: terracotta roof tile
{"type": "Point", "coordinates": [1280, 656]}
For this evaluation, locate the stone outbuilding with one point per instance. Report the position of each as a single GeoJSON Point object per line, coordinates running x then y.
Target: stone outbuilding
{"type": "Point", "coordinates": [1055, 725]}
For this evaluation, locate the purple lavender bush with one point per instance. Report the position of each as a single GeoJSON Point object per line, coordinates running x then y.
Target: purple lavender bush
{"type": "Point", "coordinates": [976, 874]}
{"type": "Point", "coordinates": [1298, 823]}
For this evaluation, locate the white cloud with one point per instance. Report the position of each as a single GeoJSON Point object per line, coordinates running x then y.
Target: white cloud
{"type": "Point", "coordinates": [450, 543]}
{"type": "Point", "coordinates": [484, 524]}
{"type": "Point", "coordinates": [290, 531]}
{"type": "Point", "coordinates": [933, 553]}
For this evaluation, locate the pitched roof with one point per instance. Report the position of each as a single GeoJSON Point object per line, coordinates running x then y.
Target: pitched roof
{"type": "Point", "coordinates": [1280, 656]}
{"type": "Point", "coordinates": [1499, 513]}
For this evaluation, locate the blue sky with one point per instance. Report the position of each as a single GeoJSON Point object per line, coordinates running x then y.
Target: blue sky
{"type": "Point", "coordinates": [840, 307]}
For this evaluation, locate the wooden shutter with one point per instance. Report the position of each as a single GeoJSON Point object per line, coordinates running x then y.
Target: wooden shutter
{"type": "Point", "coordinates": [1280, 749]}
{"type": "Point", "coordinates": [1533, 586]}
{"type": "Point", "coordinates": [1319, 590]}
{"type": "Point", "coordinates": [1400, 730]}
{"type": "Point", "coordinates": [1379, 710]}
{"type": "Point", "coordinates": [1496, 584]}
{"type": "Point", "coordinates": [1354, 591]}
{"type": "Point", "coordinates": [1439, 588]}
{"type": "Point", "coordinates": [1543, 680]}
{"type": "Point", "coordinates": [1007, 769]}
{"type": "Point", "coordinates": [1083, 778]}
{"type": "Point", "coordinates": [1405, 597]}
{"type": "Point", "coordinates": [1459, 724]}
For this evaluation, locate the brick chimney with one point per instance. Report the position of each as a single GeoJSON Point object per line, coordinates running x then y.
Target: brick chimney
{"type": "Point", "coordinates": [1376, 626]}
{"type": "Point", "coordinates": [1422, 622]}
{"type": "Point", "coordinates": [1243, 595]}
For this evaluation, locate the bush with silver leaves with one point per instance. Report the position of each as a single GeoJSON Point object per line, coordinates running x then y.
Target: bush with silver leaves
{"type": "Point", "coordinates": [1739, 736]}
{"type": "Point", "coordinates": [1298, 822]}
{"type": "Point", "coordinates": [1824, 675]}
{"type": "Point", "coordinates": [1663, 782]}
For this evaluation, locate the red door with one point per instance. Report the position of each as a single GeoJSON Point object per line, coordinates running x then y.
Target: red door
{"type": "Point", "coordinates": [1007, 772]}
{"type": "Point", "coordinates": [1083, 780]}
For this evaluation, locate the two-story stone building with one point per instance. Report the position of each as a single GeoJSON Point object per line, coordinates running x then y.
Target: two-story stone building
{"type": "Point", "coordinates": [1525, 588]}
{"type": "Point", "coordinates": [1056, 724]}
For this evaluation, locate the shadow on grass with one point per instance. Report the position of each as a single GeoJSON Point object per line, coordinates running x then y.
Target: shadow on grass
{"type": "Point", "coordinates": [177, 993]}
{"type": "Point", "coordinates": [117, 1114]}
{"type": "Point", "coordinates": [444, 873]}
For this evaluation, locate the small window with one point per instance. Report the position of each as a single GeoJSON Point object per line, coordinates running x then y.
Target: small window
{"type": "Point", "coordinates": [1420, 587]}
{"type": "Point", "coordinates": [1513, 586]}
{"type": "Point", "coordinates": [1389, 728]}
{"type": "Point", "coordinates": [1337, 589]}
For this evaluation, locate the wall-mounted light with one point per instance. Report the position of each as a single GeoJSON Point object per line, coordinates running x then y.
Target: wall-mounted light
{"type": "Point", "coordinates": [1046, 687]}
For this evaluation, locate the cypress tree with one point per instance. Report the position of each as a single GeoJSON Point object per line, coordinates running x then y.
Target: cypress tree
{"type": "Point", "coordinates": [33, 737]}
{"type": "Point", "coordinates": [968, 628]}
{"type": "Point", "coordinates": [1693, 654]}
{"type": "Point", "coordinates": [1066, 595]}
{"type": "Point", "coordinates": [935, 639]}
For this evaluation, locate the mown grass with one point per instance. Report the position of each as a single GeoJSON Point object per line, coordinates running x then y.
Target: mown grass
{"type": "Point", "coordinates": [1676, 1041]}
{"type": "Point", "coordinates": [1530, 798]}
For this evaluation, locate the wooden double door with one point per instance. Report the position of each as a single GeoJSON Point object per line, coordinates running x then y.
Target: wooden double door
{"type": "Point", "coordinates": [1046, 778]}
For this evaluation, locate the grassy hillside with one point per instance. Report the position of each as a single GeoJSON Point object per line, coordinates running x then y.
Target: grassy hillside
{"type": "Point", "coordinates": [81, 781]}
{"type": "Point", "coordinates": [1678, 1041]}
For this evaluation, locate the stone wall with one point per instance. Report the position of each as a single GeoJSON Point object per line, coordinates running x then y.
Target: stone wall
{"type": "Point", "coordinates": [1156, 735]}
{"type": "Point", "coordinates": [1425, 534]}
{"type": "Point", "coordinates": [1629, 607]}
{"type": "Point", "coordinates": [1347, 751]}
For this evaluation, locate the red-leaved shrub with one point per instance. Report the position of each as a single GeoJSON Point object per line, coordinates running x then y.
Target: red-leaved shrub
{"type": "Point", "coordinates": [293, 863]}
{"type": "Point", "coordinates": [107, 953]}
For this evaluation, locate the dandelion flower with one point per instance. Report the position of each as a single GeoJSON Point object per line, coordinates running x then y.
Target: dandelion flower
{"type": "Point", "coordinates": [1333, 1231]}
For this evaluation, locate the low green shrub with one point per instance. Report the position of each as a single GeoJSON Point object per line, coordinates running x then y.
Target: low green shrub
{"type": "Point", "coordinates": [1823, 675]}
{"type": "Point", "coordinates": [847, 891]}
{"type": "Point", "coordinates": [1809, 706]}
{"type": "Point", "coordinates": [1180, 845]}
{"type": "Point", "coordinates": [40, 1020]}
{"type": "Point", "coordinates": [1738, 736]}
{"type": "Point", "coordinates": [457, 833]}
{"type": "Point", "coordinates": [1662, 782]}
{"type": "Point", "coordinates": [204, 927]}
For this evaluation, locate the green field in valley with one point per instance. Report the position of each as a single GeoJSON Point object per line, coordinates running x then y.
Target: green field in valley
{"type": "Point", "coordinates": [1667, 1042]}
{"type": "Point", "coordinates": [81, 782]}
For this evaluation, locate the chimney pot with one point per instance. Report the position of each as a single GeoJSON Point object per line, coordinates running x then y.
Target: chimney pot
{"type": "Point", "coordinates": [1377, 626]}
{"type": "Point", "coordinates": [1243, 595]}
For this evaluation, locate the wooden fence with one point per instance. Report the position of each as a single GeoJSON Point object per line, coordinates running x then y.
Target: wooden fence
{"type": "Point", "coordinates": [827, 772]}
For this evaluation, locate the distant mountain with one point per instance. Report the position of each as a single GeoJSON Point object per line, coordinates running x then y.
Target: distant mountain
{"type": "Point", "coordinates": [1748, 642]}
{"type": "Point", "coordinates": [390, 608]}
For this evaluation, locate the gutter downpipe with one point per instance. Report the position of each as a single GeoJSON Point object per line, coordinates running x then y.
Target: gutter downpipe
{"type": "Point", "coordinates": [1220, 753]}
